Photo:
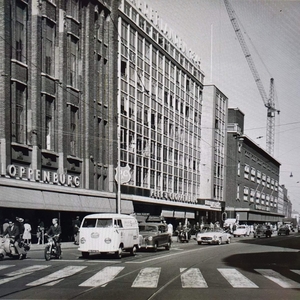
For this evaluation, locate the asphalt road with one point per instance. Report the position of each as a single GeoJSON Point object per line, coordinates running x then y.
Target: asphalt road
{"type": "Point", "coordinates": [265, 268]}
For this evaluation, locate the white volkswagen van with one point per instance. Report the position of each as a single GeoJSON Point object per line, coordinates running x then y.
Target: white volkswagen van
{"type": "Point", "coordinates": [108, 233]}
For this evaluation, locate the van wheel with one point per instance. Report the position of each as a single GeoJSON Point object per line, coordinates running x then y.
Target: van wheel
{"type": "Point", "coordinates": [133, 251]}
{"type": "Point", "coordinates": [85, 254]}
{"type": "Point", "coordinates": [118, 253]}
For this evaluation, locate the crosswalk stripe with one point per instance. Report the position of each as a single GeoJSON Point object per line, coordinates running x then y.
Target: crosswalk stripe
{"type": "Point", "coordinates": [279, 279]}
{"type": "Point", "coordinates": [102, 277]}
{"type": "Point", "coordinates": [296, 271]}
{"type": "Point", "coordinates": [147, 278]}
{"type": "Point", "coordinates": [237, 279]}
{"type": "Point", "coordinates": [192, 278]}
{"type": "Point", "coordinates": [4, 267]}
{"type": "Point", "coordinates": [22, 272]}
{"type": "Point", "coordinates": [58, 276]}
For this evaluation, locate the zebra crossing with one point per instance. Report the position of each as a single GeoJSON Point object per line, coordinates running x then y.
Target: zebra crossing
{"type": "Point", "coordinates": [147, 277]}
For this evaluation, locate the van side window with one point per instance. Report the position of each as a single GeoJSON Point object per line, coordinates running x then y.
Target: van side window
{"type": "Point", "coordinates": [104, 223]}
{"type": "Point", "coordinates": [89, 223]}
{"type": "Point", "coordinates": [118, 223]}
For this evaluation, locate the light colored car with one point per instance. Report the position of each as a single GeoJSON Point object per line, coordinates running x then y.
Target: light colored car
{"type": "Point", "coordinates": [154, 235]}
{"type": "Point", "coordinates": [241, 230]}
{"type": "Point", "coordinates": [213, 236]}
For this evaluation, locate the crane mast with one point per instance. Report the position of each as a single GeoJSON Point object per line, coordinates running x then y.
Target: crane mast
{"type": "Point", "coordinates": [268, 101]}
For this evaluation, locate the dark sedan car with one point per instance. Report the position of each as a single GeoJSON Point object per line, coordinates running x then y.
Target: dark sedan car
{"type": "Point", "coordinates": [154, 235]}
{"type": "Point", "coordinates": [263, 230]}
{"type": "Point", "coordinates": [284, 229]}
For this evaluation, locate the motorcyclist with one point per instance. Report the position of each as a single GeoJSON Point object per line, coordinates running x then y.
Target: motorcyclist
{"type": "Point", "coordinates": [55, 232]}
{"type": "Point", "coordinates": [13, 232]}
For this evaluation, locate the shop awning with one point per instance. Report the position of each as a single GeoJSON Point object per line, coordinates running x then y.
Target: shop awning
{"type": "Point", "coordinates": [167, 213]}
{"type": "Point", "coordinates": [20, 198]}
{"type": "Point", "coordinates": [127, 207]}
{"type": "Point", "coordinates": [179, 214]}
{"type": "Point", "coordinates": [190, 215]}
{"type": "Point", "coordinates": [50, 200]}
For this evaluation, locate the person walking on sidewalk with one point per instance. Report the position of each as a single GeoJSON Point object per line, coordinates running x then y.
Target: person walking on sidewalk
{"type": "Point", "coordinates": [76, 225]}
{"type": "Point", "coordinates": [27, 232]}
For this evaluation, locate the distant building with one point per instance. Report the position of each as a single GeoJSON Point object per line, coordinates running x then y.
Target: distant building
{"type": "Point", "coordinates": [213, 150]}
{"type": "Point", "coordinates": [252, 182]}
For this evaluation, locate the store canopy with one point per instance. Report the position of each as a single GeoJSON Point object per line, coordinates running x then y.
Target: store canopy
{"type": "Point", "coordinates": [45, 200]}
{"type": "Point", "coordinates": [179, 214]}
{"type": "Point", "coordinates": [190, 215]}
{"type": "Point", "coordinates": [167, 213]}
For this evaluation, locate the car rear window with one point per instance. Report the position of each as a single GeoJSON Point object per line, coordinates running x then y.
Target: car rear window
{"type": "Point", "coordinates": [147, 228]}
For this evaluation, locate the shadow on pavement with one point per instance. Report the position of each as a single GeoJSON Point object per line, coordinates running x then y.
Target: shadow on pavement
{"type": "Point", "coordinates": [285, 257]}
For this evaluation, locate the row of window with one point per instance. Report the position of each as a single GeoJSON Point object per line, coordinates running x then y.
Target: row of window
{"type": "Point", "coordinates": [258, 197]}
{"type": "Point", "coordinates": [258, 177]}
{"type": "Point", "coordinates": [161, 40]}
{"type": "Point", "coordinates": [20, 30]}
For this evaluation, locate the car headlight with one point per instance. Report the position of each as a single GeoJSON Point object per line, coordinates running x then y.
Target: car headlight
{"type": "Point", "coordinates": [82, 240]}
{"type": "Point", "coordinates": [107, 240]}
{"type": "Point", "coordinates": [150, 238]}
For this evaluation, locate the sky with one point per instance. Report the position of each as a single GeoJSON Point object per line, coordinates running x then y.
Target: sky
{"type": "Point", "coordinates": [271, 30]}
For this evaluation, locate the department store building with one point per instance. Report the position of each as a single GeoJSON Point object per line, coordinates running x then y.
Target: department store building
{"type": "Point", "coordinates": [100, 99]}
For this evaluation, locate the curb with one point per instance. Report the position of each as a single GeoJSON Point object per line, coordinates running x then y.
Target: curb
{"type": "Point", "coordinates": [64, 245]}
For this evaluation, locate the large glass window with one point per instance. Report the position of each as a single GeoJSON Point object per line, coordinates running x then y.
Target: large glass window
{"type": "Point", "coordinates": [48, 48]}
{"type": "Point", "coordinates": [74, 128]}
{"type": "Point", "coordinates": [20, 46]}
{"type": "Point", "coordinates": [49, 112]}
{"type": "Point", "coordinates": [73, 62]}
{"type": "Point", "coordinates": [20, 114]}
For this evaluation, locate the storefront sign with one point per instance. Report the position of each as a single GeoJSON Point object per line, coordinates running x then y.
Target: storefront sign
{"type": "Point", "coordinates": [123, 173]}
{"type": "Point", "coordinates": [260, 207]}
{"type": "Point", "coordinates": [212, 204]}
{"type": "Point", "coordinates": [20, 172]}
{"type": "Point", "coordinates": [172, 196]}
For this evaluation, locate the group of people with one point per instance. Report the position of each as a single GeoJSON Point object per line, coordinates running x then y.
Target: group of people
{"type": "Point", "coordinates": [20, 232]}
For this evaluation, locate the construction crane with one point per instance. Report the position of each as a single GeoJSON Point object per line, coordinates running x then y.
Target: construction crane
{"type": "Point", "coordinates": [269, 102]}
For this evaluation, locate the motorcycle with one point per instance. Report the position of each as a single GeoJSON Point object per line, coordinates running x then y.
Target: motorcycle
{"type": "Point", "coordinates": [7, 248]}
{"type": "Point", "coordinates": [183, 236]}
{"type": "Point", "coordinates": [52, 249]}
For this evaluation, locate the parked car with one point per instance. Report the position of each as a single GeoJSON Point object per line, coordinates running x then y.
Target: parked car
{"type": "Point", "coordinates": [212, 236]}
{"type": "Point", "coordinates": [154, 235]}
{"type": "Point", "coordinates": [284, 229]}
{"type": "Point", "coordinates": [263, 230]}
{"type": "Point", "coordinates": [241, 230]}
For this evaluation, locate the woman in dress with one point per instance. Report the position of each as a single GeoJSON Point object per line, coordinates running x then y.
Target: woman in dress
{"type": "Point", "coordinates": [27, 232]}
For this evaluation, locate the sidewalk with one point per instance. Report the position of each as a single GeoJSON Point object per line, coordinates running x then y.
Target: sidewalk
{"type": "Point", "coordinates": [71, 245]}
{"type": "Point", "coordinates": [64, 245]}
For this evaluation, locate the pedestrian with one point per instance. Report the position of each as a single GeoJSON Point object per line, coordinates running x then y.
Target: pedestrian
{"type": "Point", "coordinates": [55, 232]}
{"type": "Point", "coordinates": [76, 226]}
{"type": "Point", "coordinates": [170, 229]}
{"type": "Point", "coordinates": [40, 232]}
{"type": "Point", "coordinates": [5, 225]}
{"type": "Point", "coordinates": [27, 232]}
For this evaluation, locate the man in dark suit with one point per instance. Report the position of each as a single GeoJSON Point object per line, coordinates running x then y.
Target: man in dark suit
{"type": "Point", "coordinates": [14, 233]}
